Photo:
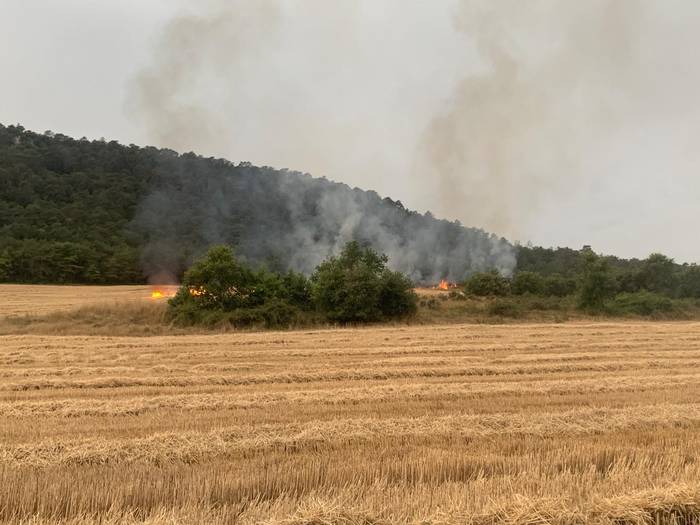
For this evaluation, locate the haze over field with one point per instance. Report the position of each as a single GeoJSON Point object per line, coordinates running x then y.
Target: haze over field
{"type": "Point", "coordinates": [559, 123]}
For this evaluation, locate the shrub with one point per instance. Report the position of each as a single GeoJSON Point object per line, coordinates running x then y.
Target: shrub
{"type": "Point", "coordinates": [273, 314]}
{"type": "Point", "coordinates": [689, 285]}
{"type": "Point", "coordinates": [396, 295]}
{"type": "Point", "coordinates": [641, 303]}
{"type": "Point", "coordinates": [220, 290]}
{"type": "Point", "coordinates": [545, 303]}
{"type": "Point", "coordinates": [558, 286]}
{"type": "Point", "coordinates": [527, 283]}
{"type": "Point", "coordinates": [357, 287]}
{"type": "Point", "coordinates": [353, 287]}
{"type": "Point", "coordinates": [216, 281]}
{"type": "Point", "coordinates": [487, 284]}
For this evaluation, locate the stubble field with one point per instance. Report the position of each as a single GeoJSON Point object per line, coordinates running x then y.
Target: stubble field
{"type": "Point", "coordinates": [21, 299]}
{"type": "Point", "coordinates": [522, 424]}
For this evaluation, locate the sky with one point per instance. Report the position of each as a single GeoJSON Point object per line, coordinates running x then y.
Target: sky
{"type": "Point", "coordinates": [556, 123]}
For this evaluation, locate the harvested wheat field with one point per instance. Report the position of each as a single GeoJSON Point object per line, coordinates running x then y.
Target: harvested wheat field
{"type": "Point", "coordinates": [520, 424]}
{"type": "Point", "coordinates": [22, 299]}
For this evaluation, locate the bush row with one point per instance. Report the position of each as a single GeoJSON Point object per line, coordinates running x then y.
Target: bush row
{"type": "Point", "coordinates": [597, 289]}
{"type": "Point", "coordinates": [522, 283]}
{"type": "Point", "coordinates": [354, 287]}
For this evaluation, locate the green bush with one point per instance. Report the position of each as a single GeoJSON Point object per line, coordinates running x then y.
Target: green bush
{"type": "Point", "coordinates": [273, 314]}
{"type": "Point", "coordinates": [396, 296]}
{"type": "Point", "coordinates": [527, 283]}
{"type": "Point", "coordinates": [353, 287]}
{"type": "Point", "coordinates": [545, 303]}
{"type": "Point", "coordinates": [487, 284]}
{"type": "Point", "coordinates": [558, 286]}
{"type": "Point", "coordinates": [640, 303]}
{"type": "Point", "coordinates": [220, 290]}
{"type": "Point", "coordinates": [357, 287]}
{"type": "Point", "coordinates": [217, 281]}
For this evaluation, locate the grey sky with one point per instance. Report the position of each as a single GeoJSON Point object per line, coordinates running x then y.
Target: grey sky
{"type": "Point", "coordinates": [563, 123]}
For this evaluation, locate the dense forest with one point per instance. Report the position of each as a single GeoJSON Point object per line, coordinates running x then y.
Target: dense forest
{"type": "Point", "coordinates": [80, 211]}
{"type": "Point", "coordinates": [656, 274]}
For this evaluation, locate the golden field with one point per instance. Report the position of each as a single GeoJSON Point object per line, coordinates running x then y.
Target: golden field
{"type": "Point", "coordinates": [20, 299]}
{"type": "Point", "coordinates": [581, 422]}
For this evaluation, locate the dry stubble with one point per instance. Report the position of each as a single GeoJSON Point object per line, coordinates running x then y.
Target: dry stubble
{"type": "Point", "coordinates": [568, 423]}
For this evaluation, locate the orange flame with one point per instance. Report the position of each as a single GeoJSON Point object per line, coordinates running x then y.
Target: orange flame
{"type": "Point", "coordinates": [444, 285]}
{"type": "Point", "coordinates": [167, 291]}
{"type": "Point", "coordinates": [161, 293]}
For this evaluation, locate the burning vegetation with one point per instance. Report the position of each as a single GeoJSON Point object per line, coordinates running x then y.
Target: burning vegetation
{"type": "Point", "coordinates": [446, 285]}
{"type": "Point", "coordinates": [162, 292]}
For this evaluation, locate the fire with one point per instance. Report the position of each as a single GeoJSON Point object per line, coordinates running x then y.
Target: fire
{"type": "Point", "coordinates": [445, 285]}
{"type": "Point", "coordinates": [167, 291]}
{"type": "Point", "coordinates": [163, 292]}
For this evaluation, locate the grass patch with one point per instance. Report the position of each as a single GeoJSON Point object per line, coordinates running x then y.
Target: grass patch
{"type": "Point", "coordinates": [119, 318]}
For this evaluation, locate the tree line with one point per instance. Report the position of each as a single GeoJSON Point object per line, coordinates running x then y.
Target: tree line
{"type": "Point", "coordinates": [599, 284]}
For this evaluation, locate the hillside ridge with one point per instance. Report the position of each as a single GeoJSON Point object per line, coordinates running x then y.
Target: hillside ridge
{"type": "Point", "coordinates": [82, 211]}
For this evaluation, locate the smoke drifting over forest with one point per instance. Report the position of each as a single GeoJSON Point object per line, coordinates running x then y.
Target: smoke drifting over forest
{"type": "Point", "coordinates": [289, 220]}
{"type": "Point", "coordinates": [292, 221]}
{"type": "Point", "coordinates": [499, 134]}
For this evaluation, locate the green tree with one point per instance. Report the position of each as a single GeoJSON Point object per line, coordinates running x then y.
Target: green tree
{"type": "Point", "coordinates": [396, 296]}
{"type": "Point", "coordinates": [658, 274]}
{"type": "Point", "coordinates": [217, 281]}
{"type": "Point", "coordinates": [597, 283]}
{"type": "Point", "coordinates": [689, 285]}
{"type": "Point", "coordinates": [356, 286]}
{"type": "Point", "coordinates": [641, 303]}
{"type": "Point", "coordinates": [219, 289]}
{"type": "Point", "coordinates": [297, 289]}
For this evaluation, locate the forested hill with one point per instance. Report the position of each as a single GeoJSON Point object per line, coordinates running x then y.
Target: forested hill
{"type": "Point", "coordinates": [80, 211]}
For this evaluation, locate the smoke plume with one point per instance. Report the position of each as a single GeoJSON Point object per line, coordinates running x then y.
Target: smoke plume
{"type": "Point", "coordinates": [290, 221]}
{"type": "Point", "coordinates": [544, 120]}
{"type": "Point", "coordinates": [565, 118]}
{"type": "Point", "coordinates": [551, 75]}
